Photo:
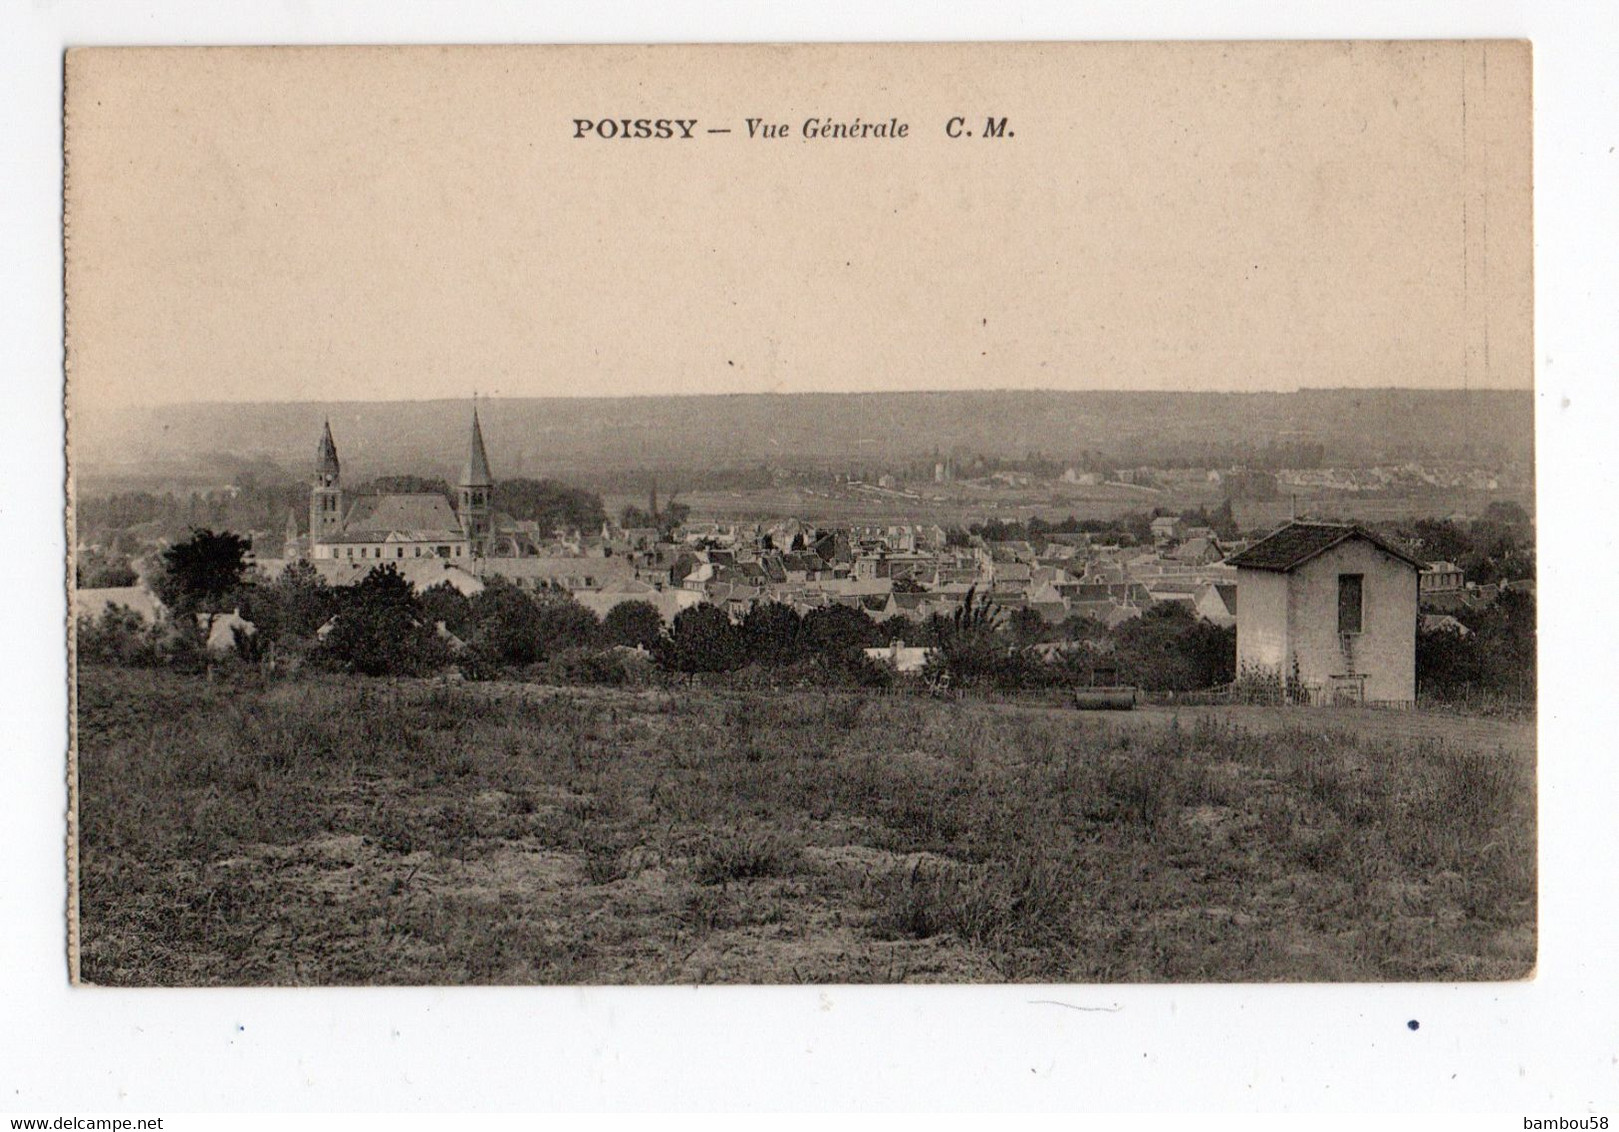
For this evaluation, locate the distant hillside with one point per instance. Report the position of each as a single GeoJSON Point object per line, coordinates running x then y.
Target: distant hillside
{"type": "Point", "coordinates": [584, 437]}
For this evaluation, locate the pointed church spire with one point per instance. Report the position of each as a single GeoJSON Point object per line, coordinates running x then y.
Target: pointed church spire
{"type": "Point", "coordinates": [326, 455]}
{"type": "Point", "coordinates": [476, 472]}
{"type": "Point", "coordinates": [289, 542]}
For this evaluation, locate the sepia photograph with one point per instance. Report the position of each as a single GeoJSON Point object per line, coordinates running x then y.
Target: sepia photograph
{"type": "Point", "coordinates": [1021, 513]}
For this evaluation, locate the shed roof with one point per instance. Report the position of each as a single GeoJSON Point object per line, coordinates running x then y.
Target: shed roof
{"type": "Point", "coordinates": [1297, 543]}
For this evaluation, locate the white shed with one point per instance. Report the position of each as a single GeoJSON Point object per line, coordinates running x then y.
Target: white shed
{"type": "Point", "coordinates": [1330, 610]}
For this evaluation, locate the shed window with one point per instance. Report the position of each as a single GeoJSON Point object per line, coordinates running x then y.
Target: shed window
{"type": "Point", "coordinates": [1349, 602]}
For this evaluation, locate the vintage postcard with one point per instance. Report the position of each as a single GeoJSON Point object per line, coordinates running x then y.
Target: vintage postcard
{"type": "Point", "coordinates": [1051, 513]}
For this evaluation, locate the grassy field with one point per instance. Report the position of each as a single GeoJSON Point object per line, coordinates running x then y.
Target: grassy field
{"type": "Point", "coordinates": [328, 831]}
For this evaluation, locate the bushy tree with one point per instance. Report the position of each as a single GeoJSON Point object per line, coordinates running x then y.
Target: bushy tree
{"type": "Point", "coordinates": [771, 633]}
{"type": "Point", "coordinates": [1498, 555]}
{"type": "Point", "coordinates": [702, 639]}
{"type": "Point", "coordinates": [634, 624]}
{"type": "Point", "coordinates": [304, 602]}
{"type": "Point", "coordinates": [507, 624]}
{"type": "Point", "coordinates": [1506, 513]}
{"type": "Point", "coordinates": [564, 623]}
{"type": "Point", "coordinates": [1498, 547]}
{"type": "Point", "coordinates": [201, 573]}
{"type": "Point", "coordinates": [443, 604]}
{"type": "Point", "coordinates": [840, 632]}
{"type": "Point", "coordinates": [973, 651]}
{"type": "Point", "coordinates": [1168, 648]}
{"type": "Point", "coordinates": [551, 504]}
{"type": "Point", "coordinates": [118, 636]}
{"type": "Point", "coordinates": [674, 514]}
{"type": "Point", "coordinates": [1078, 627]}
{"type": "Point", "coordinates": [380, 630]}
{"type": "Point", "coordinates": [930, 631]}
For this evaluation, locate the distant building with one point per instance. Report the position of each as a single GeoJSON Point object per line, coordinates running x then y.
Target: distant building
{"type": "Point", "coordinates": [1201, 551]}
{"type": "Point", "coordinates": [1443, 623]}
{"type": "Point", "coordinates": [139, 599]}
{"type": "Point", "coordinates": [1216, 603]}
{"type": "Point", "coordinates": [401, 527]}
{"type": "Point", "coordinates": [901, 658]}
{"type": "Point", "coordinates": [1166, 528]}
{"type": "Point", "coordinates": [1331, 611]}
{"type": "Point", "coordinates": [374, 528]}
{"type": "Point", "coordinates": [1440, 578]}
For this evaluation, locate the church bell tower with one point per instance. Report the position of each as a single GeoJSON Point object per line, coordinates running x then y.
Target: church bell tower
{"type": "Point", "coordinates": [475, 494]}
{"type": "Point", "coordinates": [325, 494]}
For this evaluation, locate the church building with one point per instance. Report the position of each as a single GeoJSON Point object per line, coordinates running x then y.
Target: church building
{"type": "Point", "coordinates": [378, 528]}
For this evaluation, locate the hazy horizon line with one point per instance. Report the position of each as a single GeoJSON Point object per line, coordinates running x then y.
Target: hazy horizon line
{"type": "Point", "coordinates": [808, 393]}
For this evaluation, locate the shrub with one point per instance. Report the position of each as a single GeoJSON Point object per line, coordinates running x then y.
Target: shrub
{"type": "Point", "coordinates": [119, 636]}
{"type": "Point", "coordinates": [744, 856]}
{"type": "Point", "coordinates": [509, 626]}
{"type": "Point", "coordinates": [771, 632]}
{"type": "Point", "coordinates": [635, 624]}
{"type": "Point", "coordinates": [702, 639]}
{"type": "Point", "coordinates": [585, 666]}
{"type": "Point", "coordinates": [564, 623]}
{"type": "Point", "coordinates": [838, 632]}
{"type": "Point", "coordinates": [380, 630]}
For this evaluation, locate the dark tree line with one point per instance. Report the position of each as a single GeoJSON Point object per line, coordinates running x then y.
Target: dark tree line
{"type": "Point", "coordinates": [382, 626]}
{"type": "Point", "coordinates": [1165, 649]}
{"type": "Point", "coordinates": [1495, 656]}
{"type": "Point", "coordinates": [1496, 547]}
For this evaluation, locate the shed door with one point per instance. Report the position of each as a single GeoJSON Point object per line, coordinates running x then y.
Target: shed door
{"type": "Point", "coordinates": [1349, 602]}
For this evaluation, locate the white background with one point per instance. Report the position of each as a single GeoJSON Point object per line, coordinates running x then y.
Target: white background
{"type": "Point", "coordinates": [1546, 1047]}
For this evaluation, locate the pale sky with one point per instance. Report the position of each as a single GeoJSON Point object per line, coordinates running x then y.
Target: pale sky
{"type": "Point", "coordinates": [380, 224]}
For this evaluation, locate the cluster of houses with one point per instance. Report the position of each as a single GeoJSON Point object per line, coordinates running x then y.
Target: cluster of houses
{"type": "Point", "coordinates": [1388, 477]}
{"type": "Point", "coordinates": [1327, 608]}
{"type": "Point", "coordinates": [900, 570]}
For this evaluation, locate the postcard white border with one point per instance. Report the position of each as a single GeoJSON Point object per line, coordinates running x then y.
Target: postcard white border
{"type": "Point", "coordinates": [1547, 1046]}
